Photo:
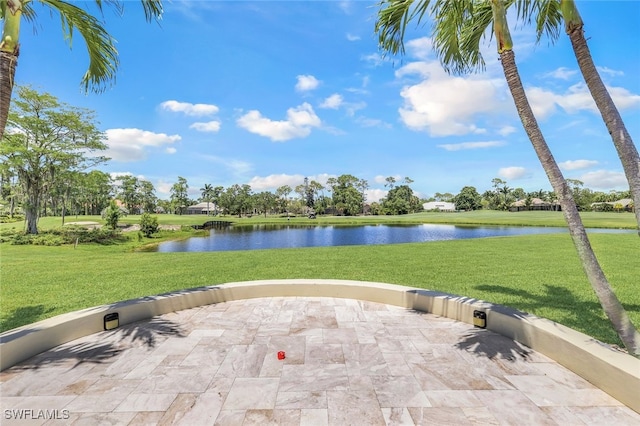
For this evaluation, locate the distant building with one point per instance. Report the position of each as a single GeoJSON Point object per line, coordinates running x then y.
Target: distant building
{"type": "Point", "coordinates": [536, 204]}
{"type": "Point", "coordinates": [202, 208]}
{"type": "Point", "coordinates": [625, 204]}
{"type": "Point", "coordinates": [442, 206]}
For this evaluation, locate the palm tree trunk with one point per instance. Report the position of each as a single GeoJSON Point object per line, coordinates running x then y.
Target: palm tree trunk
{"type": "Point", "coordinates": [627, 151]}
{"type": "Point", "coordinates": [8, 62]}
{"type": "Point", "coordinates": [608, 300]}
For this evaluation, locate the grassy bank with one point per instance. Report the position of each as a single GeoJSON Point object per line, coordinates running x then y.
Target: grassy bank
{"type": "Point", "coordinates": [540, 274]}
{"type": "Point", "coordinates": [481, 217]}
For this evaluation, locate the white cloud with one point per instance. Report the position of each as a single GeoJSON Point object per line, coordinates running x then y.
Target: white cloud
{"type": "Point", "coordinates": [577, 164]}
{"type": "Point", "coordinates": [237, 167]}
{"type": "Point", "coordinates": [210, 126]}
{"type": "Point", "coordinates": [189, 109]}
{"type": "Point", "coordinates": [306, 83]}
{"type": "Point", "coordinates": [272, 182]}
{"type": "Point", "coordinates": [421, 48]}
{"type": "Point", "coordinates": [506, 130]}
{"type": "Point", "coordinates": [605, 179]}
{"type": "Point", "coordinates": [352, 107]}
{"type": "Point", "coordinates": [542, 102]}
{"type": "Point", "coordinates": [298, 124]}
{"type": "Point", "coordinates": [429, 105]}
{"type": "Point", "coordinates": [471, 145]}
{"type": "Point", "coordinates": [132, 144]}
{"type": "Point", "coordinates": [170, 150]}
{"type": "Point", "coordinates": [561, 73]}
{"type": "Point", "coordinates": [609, 71]}
{"type": "Point", "coordinates": [332, 102]}
{"type": "Point", "coordinates": [263, 183]}
{"type": "Point", "coordinates": [374, 59]}
{"type": "Point", "coordinates": [513, 172]}
{"type": "Point", "coordinates": [372, 122]}
{"type": "Point", "coordinates": [375, 195]}
{"type": "Point", "coordinates": [352, 37]}
{"type": "Point", "coordinates": [575, 99]}
{"type": "Point", "coordinates": [163, 189]}
{"type": "Point", "coordinates": [345, 6]}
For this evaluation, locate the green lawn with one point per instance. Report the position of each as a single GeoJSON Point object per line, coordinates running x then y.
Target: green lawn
{"type": "Point", "coordinates": [539, 274]}
{"type": "Point", "coordinates": [480, 217]}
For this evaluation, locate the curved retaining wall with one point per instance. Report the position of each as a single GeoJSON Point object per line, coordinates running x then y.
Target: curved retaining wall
{"type": "Point", "coordinates": [614, 372]}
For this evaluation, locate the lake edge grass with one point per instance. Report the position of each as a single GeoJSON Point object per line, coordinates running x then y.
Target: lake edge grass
{"type": "Point", "coordinates": [472, 218]}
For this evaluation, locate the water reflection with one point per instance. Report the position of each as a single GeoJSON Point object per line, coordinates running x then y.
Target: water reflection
{"type": "Point", "coordinates": [256, 237]}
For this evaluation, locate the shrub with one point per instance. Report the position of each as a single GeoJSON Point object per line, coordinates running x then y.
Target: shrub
{"type": "Point", "coordinates": [111, 215]}
{"type": "Point", "coordinates": [47, 239]}
{"type": "Point", "coordinates": [148, 224]}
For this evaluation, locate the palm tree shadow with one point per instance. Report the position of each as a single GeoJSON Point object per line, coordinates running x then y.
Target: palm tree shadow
{"type": "Point", "coordinates": [146, 332]}
{"type": "Point", "coordinates": [25, 315]}
{"type": "Point", "coordinates": [485, 343]}
{"type": "Point", "coordinates": [105, 346]}
{"type": "Point", "coordinates": [585, 316]}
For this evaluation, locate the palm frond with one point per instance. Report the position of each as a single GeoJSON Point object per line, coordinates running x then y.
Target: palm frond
{"type": "Point", "coordinates": [391, 24]}
{"type": "Point", "coordinates": [453, 27]}
{"type": "Point", "coordinates": [103, 56]}
{"type": "Point", "coordinates": [473, 31]}
{"type": "Point", "coordinates": [547, 14]}
{"type": "Point", "coordinates": [152, 9]}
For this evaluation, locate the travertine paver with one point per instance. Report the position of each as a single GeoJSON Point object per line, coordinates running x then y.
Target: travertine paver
{"type": "Point", "coordinates": [347, 362]}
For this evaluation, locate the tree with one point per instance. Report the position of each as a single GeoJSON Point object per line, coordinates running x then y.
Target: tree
{"type": "Point", "coordinates": [148, 197]}
{"type": "Point", "coordinates": [236, 199]}
{"type": "Point", "coordinates": [346, 196]}
{"type": "Point", "coordinates": [265, 201]}
{"type": "Point", "coordinates": [95, 191]}
{"type": "Point", "coordinates": [459, 27]}
{"type": "Point", "coordinates": [362, 186]}
{"type": "Point", "coordinates": [400, 200]}
{"type": "Point", "coordinates": [548, 16]}
{"type": "Point", "coordinates": [207, 193]}
{"type": "Point", "coordinates": [283, 195]}
{"type": "Point", "coordinates": [103, 56]}
{"type": "Point", "coordinates": [390, 182]}
{"type": "Point", "coordinates": [180, 195]}
{"type": "Point", "coordinates": [468, 199]}
{"type": "Point", "coordinates": [46, 138]}
{"type": "Point", "coordinates": [130, 193]}
{"type": "Point", "coordinates": [148, 224]}
{"type": "Point", "coordinates": [111, 215]}
{"type": "Point", "coordinates": [502, 193]}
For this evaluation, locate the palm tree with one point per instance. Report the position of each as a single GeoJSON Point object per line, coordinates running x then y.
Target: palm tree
{"type": "Point", "coordinates": [459, 26]}
{"type": "Point", "coordinates": [548, 15]}
{"type": "Point", "coordinates": [207, 193]}
{"type": "Point", "coordinates": [103, 56]}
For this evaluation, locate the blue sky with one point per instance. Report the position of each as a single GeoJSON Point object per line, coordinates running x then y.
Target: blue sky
{"type": "Point", "coordinates": [266, 93]}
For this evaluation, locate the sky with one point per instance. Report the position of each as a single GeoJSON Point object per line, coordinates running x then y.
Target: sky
{"type": "Point", "coordinates": [267, 93]}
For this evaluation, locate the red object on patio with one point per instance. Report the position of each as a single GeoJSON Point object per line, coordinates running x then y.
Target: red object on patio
{"type": "Point", "coordinates": [281, 355]}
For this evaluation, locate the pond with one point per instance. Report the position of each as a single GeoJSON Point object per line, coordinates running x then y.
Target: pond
{"type": "Point", "coordinates": [289, 236]}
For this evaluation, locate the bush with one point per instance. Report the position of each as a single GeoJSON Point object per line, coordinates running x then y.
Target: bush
{"type": "Point", "coordinates": [111, 215]}
{"type": "Point", "coordinates": [59, 236]}
{"type": "Point", "coordinates": [47, 239]}
{"type": "Point", "coordinates": [148, 224]}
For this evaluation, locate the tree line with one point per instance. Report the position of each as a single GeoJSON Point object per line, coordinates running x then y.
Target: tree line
{"type": "Point", "coordinates": [52, 151]}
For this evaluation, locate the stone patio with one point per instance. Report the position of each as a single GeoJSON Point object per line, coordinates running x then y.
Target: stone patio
{"type": "Point", "coordinates": [347, 362]}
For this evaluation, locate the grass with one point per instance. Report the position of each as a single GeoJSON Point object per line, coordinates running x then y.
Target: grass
{"type": "Point", "coordinates": [479, 217]}
{"type": "Point", "coordinates": [540, 274]}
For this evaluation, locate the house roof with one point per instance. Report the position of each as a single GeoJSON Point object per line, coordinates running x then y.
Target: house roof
{"type": "Point", "coordinates": [624, 202]}
{"type": "Point", "coordinates": [202, 206]}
